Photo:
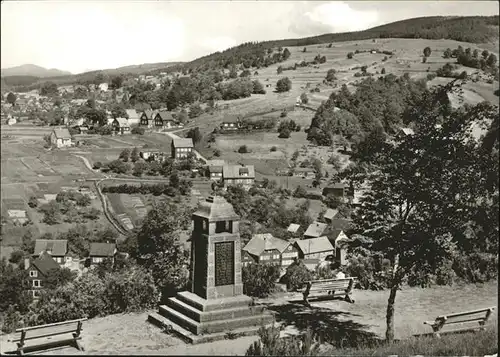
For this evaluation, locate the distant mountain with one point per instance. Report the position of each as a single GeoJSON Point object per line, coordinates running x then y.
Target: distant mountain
{"type": "Point", "coordinates": [33, 71]}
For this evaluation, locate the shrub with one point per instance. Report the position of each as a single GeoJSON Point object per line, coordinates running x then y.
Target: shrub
{"type": "Point", "coordinates": [270, 344]}
{"type": "Point", "coordinates": [300, 192]}
{"type": "Point", "coordinates": [382, 71]}
{"type": "Point", "coordinates": [431, 76]}
{"type": "Point", "coordinates": [97, 165]}
{"type": "Point", "coordinates": [283, 85]}
{"type": "Point", "coordinates": [33, 202]}
{"type": "Point", "coordinates": [16, 256]}
{"type": "Point", "coordinates": [372, 272]}
{"type": "Point", "coordinates": [259, 279]}
{"type": "Point", "coordinates": [273, 148]}
{"type": "Point", "coordinates": [476, 267]}
{"type": "Point", "coordinates": [138, 130]}
{"type": "Point", "coordinates": [296, 275]}
{"type": "Point", "coordinates": [12, 320]}
{"type": "Point", "coordinates": [284, 133]}
{"type": "Point", "coordinates": [350, 55]}
{"type": "Point", "coordinates": [243, 149]}
{"type": "Point", "coordinates": [217, 152]}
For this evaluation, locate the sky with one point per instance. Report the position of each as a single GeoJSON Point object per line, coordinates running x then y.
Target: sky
{"type": "Point", "coordinates": [79, 36]}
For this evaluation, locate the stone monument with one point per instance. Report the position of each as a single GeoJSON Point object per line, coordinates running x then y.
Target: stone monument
{"type": "Point", "coordinates": [215, 303]}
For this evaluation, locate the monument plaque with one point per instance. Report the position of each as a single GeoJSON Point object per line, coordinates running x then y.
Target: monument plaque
{"type": "Point", "coordinates": [224, 263]}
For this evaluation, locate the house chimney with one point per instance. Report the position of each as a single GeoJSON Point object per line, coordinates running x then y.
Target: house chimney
{"type": "Point", "coordinates": [26, 263]}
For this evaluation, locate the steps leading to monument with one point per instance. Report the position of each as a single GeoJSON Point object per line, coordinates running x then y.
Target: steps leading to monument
{"type": "Point", "coordinates": [188, 336]}
{"type": "Point", "coordinates": [207, 316]}
{"type": "Point", "coordinates": [213, 304]}
{"type": "Point", "coordinates": [213, 326]}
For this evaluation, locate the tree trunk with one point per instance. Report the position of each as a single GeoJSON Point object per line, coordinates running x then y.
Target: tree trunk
{"type": "Point", "coordinates": [389, 333]}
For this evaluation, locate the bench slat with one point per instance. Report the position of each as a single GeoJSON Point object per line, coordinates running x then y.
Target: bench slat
{"type": "Point", "coordinates": [45, 335]}
{"type": "Point", "coordinates": [466, 313]}
{"type": "Point", "coordinates": [49, 325]}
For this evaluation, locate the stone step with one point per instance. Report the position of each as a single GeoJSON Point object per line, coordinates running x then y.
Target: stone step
{"type": "Point", "coordinates": [180, 319]}
{"type": "Point", "coordinates": [199, 328]}
{"type": "Point", "coordinates": [161, 321]}
{"type": "Point", "coordinates": [206, 316]}
{"type": "Point", "coordinates": [214, 304]}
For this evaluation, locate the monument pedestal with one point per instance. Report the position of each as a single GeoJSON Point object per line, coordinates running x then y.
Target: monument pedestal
{"type": "Point", "coordinates": [215, 304]}
{"type": "Point", "coordinates": [200, 320]}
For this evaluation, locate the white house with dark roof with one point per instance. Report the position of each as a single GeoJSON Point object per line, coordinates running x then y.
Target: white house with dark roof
{"type": "Point", "coordinates": [214, 168]}
{"type": "Point", "coordinates": [39, 269]}
{"type": "Point", "coordinates": [315, 230]}
{"type": "Point", "coordinates": [100, 251]}
{"type": "Point", "coordinates": [267, 249]}
{"type": "Point", "coordinates": [238, 175]}
{"type": "Point", "coordinates": [57, 248]}
{"type": "Point", "coordinates": [182, 147]}
{"type": "Point", "coordinates": [315, 250]}
{"type": "Point", "coordinates": [121, 126]}
{"type": "Point", "coordinates": [60, 137]}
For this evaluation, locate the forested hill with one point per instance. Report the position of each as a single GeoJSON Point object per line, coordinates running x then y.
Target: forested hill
{"type": "Point", "coordinates": [474, 29]}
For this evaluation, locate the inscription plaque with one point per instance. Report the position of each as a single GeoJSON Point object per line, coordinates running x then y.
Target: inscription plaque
{"type": "Point", "coordinates": [224, 263]}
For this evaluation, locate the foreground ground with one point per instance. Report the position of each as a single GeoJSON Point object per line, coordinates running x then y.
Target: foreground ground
{"type": "Point", "coordinates": [363, 320]}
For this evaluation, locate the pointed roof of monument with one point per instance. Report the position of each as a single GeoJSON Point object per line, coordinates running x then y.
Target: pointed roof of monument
{"type": "Point", "coordinates": [216, 208]}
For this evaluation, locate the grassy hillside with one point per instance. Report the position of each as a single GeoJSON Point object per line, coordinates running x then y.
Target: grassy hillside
{"type": "Point", "coordinates": [473, 29]}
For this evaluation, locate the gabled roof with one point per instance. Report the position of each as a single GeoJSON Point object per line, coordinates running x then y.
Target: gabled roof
{"type": "Point", "coordinates": [56, 247]}
{"type": "Point", "coordinates": [102, 249]}
{"type": "Point", "coordinates": [238, 171]}
{"type": "Point", "coordinates": [150, 114]}
{"type": "Point", "coordinates": [337, 185]}
{"type": "Point", "coordinates": [314, 245]}
{"type": "Point", "coordinates": [165, 116]}
{"type": "Point", "coordinates": [44, 263]}
{"type": "Point", "coordinates": [231, 119]}
{"type": "Point", "coordinates": [407, 131]}
{"type": "Point", "coordinates": [261, 242]}
{"type": "Point", "coordinates": [304, 169]}
{"type": "Point", "coordinates": [338, 223]}
{"type": "Point", "coordinates": [122, 122]}
{"type": "Point", "coordinates": [315, 229]}
{"type": "Point", "coordinates": [330, 213]}
{"type": "Point", "coordinates": [215, 162]}
{"type": "Point", "coordinates": [293, 227]}
{"type": "Point", "coordinates": [132, 113]}
{"type": "Point", "coordinates": [183, 143]}
{"type": "Point", "coordinates": [216, 208]}
{"type": "Point", "coordinates": [62, 133]}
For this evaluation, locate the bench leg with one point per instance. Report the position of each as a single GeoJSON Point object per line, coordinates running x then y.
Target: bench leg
{"type": "Point", "coordinates": [348, 299]}
{"type": "Point", "coordinates": [77, 343]}
{"type": "Point", "coordinates": [306, 302]}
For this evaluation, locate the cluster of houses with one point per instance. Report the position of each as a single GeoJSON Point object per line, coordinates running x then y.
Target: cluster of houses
{"type": "Point", "coordinates": [52, 254]}
{"type": "Point", "coordinates": [313, 248]}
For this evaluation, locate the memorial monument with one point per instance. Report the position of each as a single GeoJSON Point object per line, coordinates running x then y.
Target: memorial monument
{"type": "Point", "coordinates": [215, 303]}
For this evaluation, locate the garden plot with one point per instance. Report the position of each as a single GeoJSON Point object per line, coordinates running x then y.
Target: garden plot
{"type": "Point", "coordinates": [37, 166]}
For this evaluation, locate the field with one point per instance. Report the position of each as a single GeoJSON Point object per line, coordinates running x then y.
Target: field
{"type": "Point", "coordinates": [131, 334]}
{"type": "Point", "coordinates": [407, 58]}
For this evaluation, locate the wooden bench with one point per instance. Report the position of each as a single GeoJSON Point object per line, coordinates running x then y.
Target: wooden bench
{"type": "Point", "coordinates": [47, 331]}
{"type": "Point", "coordinates": [480, 316]}
{"type": "Point", "coordinates": [329, 288]}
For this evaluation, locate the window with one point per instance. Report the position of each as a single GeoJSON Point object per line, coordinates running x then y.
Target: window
{"type": "Point", "coordinates": [205, 225]}
{"type": "Point", "coordinates": [98, 260]}
{"type": "Point", "coordinates": [33, 273]}
{"type": "Point", "coordinates": [36, 283]}
{"type": "Point", "coordinates": [224, 226]}
{"type": "Point", "coordinates": [35, 293]}
{"type": "Point", "coordinates": [276, 256]}
{"type": "Point", "coordinates": [264, 257]}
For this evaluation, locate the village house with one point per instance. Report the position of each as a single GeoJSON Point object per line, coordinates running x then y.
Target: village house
{"type": "Point", "coordinates": [267, 249]}
{"type": "Point", "coordinates": [56, 248]}
{"type": "Point", "coordinates": [214, 169]}
{"type": "Point", "coordinates": [340, 241]}
{"type": "Point", "coordinates": [120, 126]}
{"type": "Point", "coordinates": [238, 175]}
{"type": "Point", "coordinates": [405, 132]}
{"type": "Point", "coordinates": [181, 148]}
{"type": "Point", "coordinates": [330, 214]}
{"type": "Point", "coordinates": [339, 190]}
{"type": "Point", "coordinates": [315, 230]}
{"type": "Point", "coordinates": [103, 87]}
{"type": "Point", "coordinates": [293, 228]}
{"type": "Point", "coordinates": [164, 120]}
{"type": "Point", "coordinates": [314, 251]}
{"type": "Point", "coordinates": [60, 137]}
{"type": "Point", "coordinates": [100, 251]}
{"type": "Point", "coordinates": [147, 118]}
{"type": "Point", "coordinates": [39, 269]}
{"type": "Point", "coordinates": [230, 123]}
{"type": "Point", "coordinates": [304, 172]}
{"type": "Point", "coordinates": [133, 116]}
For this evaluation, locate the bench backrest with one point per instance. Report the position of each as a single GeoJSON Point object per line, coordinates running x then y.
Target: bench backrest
{"type": "Point", "coordinates": [466, 316]}
{"type": "Point", "coordinates": [54, 329]}
{"type": "Point", "coordinates": [329, 284]}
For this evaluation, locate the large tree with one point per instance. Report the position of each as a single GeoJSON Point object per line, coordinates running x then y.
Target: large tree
{"type": "Point", "coordinates": [427, 192]}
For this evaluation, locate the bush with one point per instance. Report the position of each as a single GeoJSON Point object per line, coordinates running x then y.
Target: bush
{"type": "Point", "coordinates": [283, 85]}
{"type": "Point", "coordinates": [271, 344]}
{"type": "Point", "coordinates": [33, 202]}
{"type": "Point", "coordinates": [243, 149]}
{"type": "Point", "coordinates": [350, 55]}
{"type": "Point", "coordinates": [97, 165]}
{"type": "Point", "coordinates": [372, 272]}
{"type": "Point", "coordinates": [476, 267]}
{"type": "Point", "coordinates": [259, 279]}
{"type": "Point", "coordinates": [431, 76]}
{"type": "Point", "coordinates": [273, 148]}
{"type": "Point", "coordinates": [296, 275]}
{"type": "Point", "coordinates": [217, 152]}
{"type": "Point", "coordinates": [16, 256]}
{"type": "Point", "coordinates": [138, 130]}
{"type": "Point", "coordinates": [284, 133]}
